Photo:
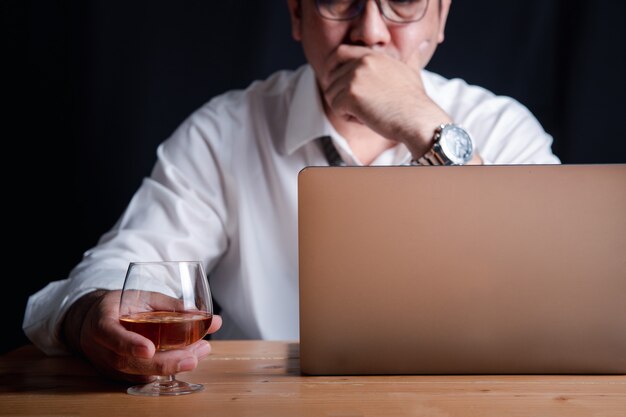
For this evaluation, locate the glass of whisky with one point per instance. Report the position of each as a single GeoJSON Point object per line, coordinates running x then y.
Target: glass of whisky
{"type": "Point", "coordinates": [170, 303]}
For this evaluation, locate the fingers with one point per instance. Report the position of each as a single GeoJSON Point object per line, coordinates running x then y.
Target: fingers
{"type": "Point", "coordinates": [127, 355]}
{"type": "Point", "coordinates": [134, 344]}
{"type": "Point", "coordinates": [198, 350]}
{"type": "Point", "coordinates": [343, 84]}
{"type": "Point", "coordinates": [383, 91]}
{"type": "Point", "coordinates": [168, 362]}
{"type": "Point", "coordinates": [216, 324]}
{"type": "Point", "coordinates": [340, 90]}
{"type": "Point", "coordinates": [114, 350]}
{"type": "Point", "coordinates": [120, 367]}
{"type": "Point", "coordinates": [101, 326]}
{"type": "Point", "coordinates": [344, 53]}
{"type": "Point", "coordinates": [131, 367]}
{"type": "Point", "coordinates": [336, 63]}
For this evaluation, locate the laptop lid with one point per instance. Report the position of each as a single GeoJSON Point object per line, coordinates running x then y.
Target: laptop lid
{"type": "Point", "coordinates": [516, 269]}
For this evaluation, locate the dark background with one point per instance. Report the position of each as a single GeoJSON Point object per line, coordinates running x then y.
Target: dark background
{"type": "Point", "coordinates": [91, 87]}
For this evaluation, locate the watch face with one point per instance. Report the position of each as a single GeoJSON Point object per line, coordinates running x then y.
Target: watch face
{"type": "Point", "coordinates": [456, 144]}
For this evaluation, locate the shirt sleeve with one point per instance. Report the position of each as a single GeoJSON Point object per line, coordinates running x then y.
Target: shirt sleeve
{"type": "Point", "coordinates": [508, 133]}
{"type": "Point", "coordinates": [178, 213]}
{"type": "Point", "coordinates": [503, 129]}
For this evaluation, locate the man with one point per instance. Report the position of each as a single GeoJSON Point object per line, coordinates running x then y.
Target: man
{"type": "Point", "coordinates": [223, 190]}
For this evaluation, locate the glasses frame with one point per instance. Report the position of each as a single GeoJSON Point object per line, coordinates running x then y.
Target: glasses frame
{"type": "Point", "coordinates": [361, 8]}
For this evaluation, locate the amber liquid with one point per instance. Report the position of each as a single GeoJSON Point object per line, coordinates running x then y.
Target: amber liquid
{"type": "Point", "coordinates": [167, 329]}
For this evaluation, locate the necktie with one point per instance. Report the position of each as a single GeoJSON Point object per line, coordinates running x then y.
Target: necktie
{"type": "Point", "coordinates": [333, 157]}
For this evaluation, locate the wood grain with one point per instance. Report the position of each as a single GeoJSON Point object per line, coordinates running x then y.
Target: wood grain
{"type": "Point", "coordinates": [260, 378]}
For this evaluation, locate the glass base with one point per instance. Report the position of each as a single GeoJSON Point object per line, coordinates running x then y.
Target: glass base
{"type": "Point", "coordinates": [165, 385]}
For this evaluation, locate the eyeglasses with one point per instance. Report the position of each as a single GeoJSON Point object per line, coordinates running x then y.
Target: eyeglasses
{"type": "Point", "coordinates": [398, 11]}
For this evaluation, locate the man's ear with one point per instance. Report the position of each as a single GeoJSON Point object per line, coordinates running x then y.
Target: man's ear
{"type": "Point", "coordinates": [295, 13]}
{"type": "Point", "coordinates": [443, 18]}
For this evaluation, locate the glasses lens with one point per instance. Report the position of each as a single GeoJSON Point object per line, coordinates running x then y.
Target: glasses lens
{"type": "Point", "coordinates": [339, 9]}
{"type": "Point", "coordinates": [400, 11]}
{"type": "Point", "coordinates": [404, 10]}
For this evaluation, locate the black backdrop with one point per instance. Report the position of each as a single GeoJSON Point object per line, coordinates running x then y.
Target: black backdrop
{"type": "Point", "coordinates": [93, 86]}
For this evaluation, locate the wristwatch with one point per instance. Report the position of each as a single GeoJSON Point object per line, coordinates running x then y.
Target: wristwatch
{"type": "Point", "coordinates": [452, 145]}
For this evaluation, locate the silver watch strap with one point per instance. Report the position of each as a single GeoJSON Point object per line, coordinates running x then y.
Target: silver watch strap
{"type": "Point", "coordinates": [430, 158]}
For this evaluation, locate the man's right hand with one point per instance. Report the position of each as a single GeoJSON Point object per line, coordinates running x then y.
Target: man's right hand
{"type": "Point", "coordinates": [92, 328]}
{"type": "Point", "coordinates": [383, 93]}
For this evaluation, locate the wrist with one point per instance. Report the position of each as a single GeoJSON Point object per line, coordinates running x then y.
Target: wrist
{"type": "Point", "coordinates": [451, 145]}
{"type": "Point", "coordinates": [75, 318]}
{"type": "Point", "coordinates": [422, 138]}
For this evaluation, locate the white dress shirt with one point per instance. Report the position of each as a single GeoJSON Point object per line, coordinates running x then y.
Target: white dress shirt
{"type": "Point", "coordinates": [223, 191]}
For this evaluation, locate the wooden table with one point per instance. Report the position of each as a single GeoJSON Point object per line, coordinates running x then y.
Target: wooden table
{"type": "Point", "coordinates": [257, 378]}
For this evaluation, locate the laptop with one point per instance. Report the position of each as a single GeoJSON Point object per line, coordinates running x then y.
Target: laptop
{"type": "Point", "coordinates": [517, 269]}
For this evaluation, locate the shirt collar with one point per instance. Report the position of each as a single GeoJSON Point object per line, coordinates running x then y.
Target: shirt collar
{"type": "Point", "coordinates": [306, 120]}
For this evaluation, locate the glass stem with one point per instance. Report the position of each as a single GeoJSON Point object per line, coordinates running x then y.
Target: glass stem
{"type": "Point", "coordinates": [165, 380]}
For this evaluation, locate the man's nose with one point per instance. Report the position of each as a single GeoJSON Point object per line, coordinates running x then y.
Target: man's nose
{"type": "Point", "coordinates": [370, 28]}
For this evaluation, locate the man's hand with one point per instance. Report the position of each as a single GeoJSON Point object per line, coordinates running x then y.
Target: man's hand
{"type": "Point", "coordinates": [383, 93]}
{"type": "Point", "coordinates": [92, 327]}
